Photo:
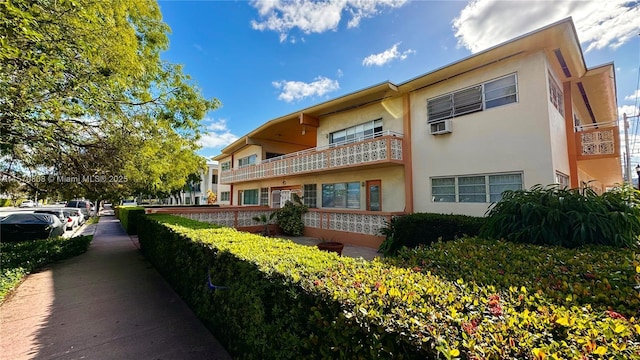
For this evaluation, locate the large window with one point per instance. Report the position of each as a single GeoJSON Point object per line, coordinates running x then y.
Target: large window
{"type": "Point", "coordinates": [477, 188]}
{"type": "Point", "coordinates": [341, 195]}
{"type": "Point", "coordinates": [490, 94]}
{"type": "Point", "coordinates": [225, 196]}
{"type": "Point", "coordinates": [246, 161]}
{"type": "Point", "coordinates": [225, 166]}
{"type": "Point", "coordinates": [356, 133]}
{"type": "Point", "coordinates": [250, 197]}
{"type": "Point", "coordinates": [310, 197]}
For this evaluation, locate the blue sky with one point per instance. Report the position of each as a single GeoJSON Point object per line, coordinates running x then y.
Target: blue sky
{"type": "Point", "coordinates": [265, 59]}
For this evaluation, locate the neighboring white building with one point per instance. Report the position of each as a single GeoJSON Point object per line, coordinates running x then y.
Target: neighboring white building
{"type": "Point", "coordinates": [197, 193]}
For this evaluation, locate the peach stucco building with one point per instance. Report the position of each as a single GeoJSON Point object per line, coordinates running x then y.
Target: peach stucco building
{"type": "Point", "coordinates": [525, 112]}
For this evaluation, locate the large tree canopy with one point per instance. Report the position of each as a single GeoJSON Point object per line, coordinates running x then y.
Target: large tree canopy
{"type": "Point", "coordinates": [82, 79]}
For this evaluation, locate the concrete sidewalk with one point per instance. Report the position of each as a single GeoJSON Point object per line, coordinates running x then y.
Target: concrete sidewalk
{"type": "Point", "coordinates": [108, 303]}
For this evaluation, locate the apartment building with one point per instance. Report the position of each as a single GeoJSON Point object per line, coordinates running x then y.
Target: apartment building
{"type": "Point", "coordinates": [528, 111]}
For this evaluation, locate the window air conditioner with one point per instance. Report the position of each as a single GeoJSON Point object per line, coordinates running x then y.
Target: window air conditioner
{"type": "Point", "coordinates": [440, 127]}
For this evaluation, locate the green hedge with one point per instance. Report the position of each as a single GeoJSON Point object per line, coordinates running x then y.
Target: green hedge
{"type": "Point", "coordinates": [128, 216]}
{"type": "Point", "coordinates": [425, 228]}
{"type": "Point", "coordinates": [601, 277]}
{"type": "Point", "coordinates": [288, 301]}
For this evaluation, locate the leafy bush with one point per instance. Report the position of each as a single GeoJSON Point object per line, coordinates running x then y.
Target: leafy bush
{"type": "Point", "coordinates": [566, 217]}
{"type": "Point", "coordinates": [128, 216]}
{"type": "Point", "coordinates": [425, 228]}
{"type": "Point", "coordinates": [282, 300]}
{"type": "Point", "coordinates": [597, 276]}
{"type": "Point", "coordinates": [290, 216]}
{"type": "Point", "coordinates": [21, 258]}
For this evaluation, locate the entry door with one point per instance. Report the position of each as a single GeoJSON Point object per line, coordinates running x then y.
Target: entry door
{"type": "Point", "coordinates": [374, 195]}
{"type": "Point", "coordinates": [285, 195]}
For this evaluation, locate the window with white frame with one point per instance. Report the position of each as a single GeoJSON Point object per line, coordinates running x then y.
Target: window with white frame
{"type": "Point", "coordinates": [310, 197]}
{"type": "Point", "coordinates": [476, 188]}
{"type": "Point", "coordinates": [214, 179]}
{"type": "Point", "coordinates": [562, 179]}
{"type": "Point", "coordinates": [356, 133]}
{"type": "Point", "coordinates": [248, 160]}
{"type": "Point", "coordinates": [480, 97]}
{"type": "Point", "coordinates": [225, 166]}
{"type": "Point", "coordinates": [341, 195]}
{"type": "Point", "coordinates": [225, 195]}
{"type": "Point", "coordinates": [555, 95]}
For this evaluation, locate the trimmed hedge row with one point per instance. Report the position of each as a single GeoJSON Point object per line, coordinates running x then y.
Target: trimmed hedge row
{"type": "Point", "coordinates": [426, 228]}
{"type": "Point", "coordinates": [601, 277]}
{"type": "Point", "coordinates": [128, 216]}
{"type": "Point", "coordinates": [288, 301]}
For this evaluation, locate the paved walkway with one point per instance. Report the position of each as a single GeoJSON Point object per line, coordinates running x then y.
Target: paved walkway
{"type": "Point", "coordinates": [108, 303]}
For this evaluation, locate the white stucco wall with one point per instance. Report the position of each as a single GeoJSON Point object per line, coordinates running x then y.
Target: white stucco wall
{"type": "Point", "coordinates": [509, 138]}
{"type": "Point", "coordinates": [557, 132]}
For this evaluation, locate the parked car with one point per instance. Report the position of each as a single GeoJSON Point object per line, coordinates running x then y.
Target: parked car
{"type": "Point", "coordinates": [83, 205]}
{"type": "Point", "coordinates": [27, 204]}
{"type": "Point", "coordinates": [30, 226]}
{"type": "Point", "coordinates": [77, 213]}
{"type": "Point", "coordinates": [66, 220]}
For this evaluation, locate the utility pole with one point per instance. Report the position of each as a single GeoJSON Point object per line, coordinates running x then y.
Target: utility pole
{"type": "Point", "coordinates": [626, 144]}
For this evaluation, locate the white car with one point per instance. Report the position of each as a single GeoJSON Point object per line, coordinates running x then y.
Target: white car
{"type": "Point", "coordinates": [74, 216]}
{"type": "Point", "coordinates": [27, 204]}
{"type": "Point", "coordinates": [129, 202]}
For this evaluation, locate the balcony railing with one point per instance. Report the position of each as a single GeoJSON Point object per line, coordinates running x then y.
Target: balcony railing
{"type": "Point", "coordinates": [383, 147]}
{"type": "Point", "coordinates": [598, 141]}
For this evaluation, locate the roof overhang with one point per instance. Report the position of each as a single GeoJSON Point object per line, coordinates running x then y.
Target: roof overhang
{"type": "Point", "coordinates": [289, 128]}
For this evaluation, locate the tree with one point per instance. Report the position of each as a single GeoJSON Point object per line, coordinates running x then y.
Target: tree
{"type": "Point", "coordinates": [82, 80]}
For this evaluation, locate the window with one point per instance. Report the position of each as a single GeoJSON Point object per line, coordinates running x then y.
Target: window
{"type": "Point", "coordinates": [443, 189]}
{"type": "Point", "coordinates": [471, 189]}
{"type": "Point", "coordinates": [310, 196]}
{"type": "Point", "coordinates": [477, 188]}
{"type": "Point", "coordinates": [250, 197]}
{"type": "Point", "coordinates": [225, 195]}
{"type": "Point", "coordinates": [246, 161]}
{"type": "Point", "coordinates": [356, 133]}
{"type": "Point", "coordinates": [501, 183]}
{"type": "Point", "coordinates": [225, 166]}
{"type": "Point", "coordinates": [487, 95]}
{"type": "Point", "coordinates": [264, 196]}
{"type": "Point", "coordinates": [562, 179]}
{"type": "Point", "coordinates": [341, 195]}
{"type": "Point", "coordinates": [214, 179]}
{"type": "Point", "coordinates": [555, 95]}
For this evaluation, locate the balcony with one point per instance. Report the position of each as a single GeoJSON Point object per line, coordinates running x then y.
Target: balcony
{"type": "Point", "coordinates": [598, 141]}
{"type": "Point", "coordinates": [380, 148]}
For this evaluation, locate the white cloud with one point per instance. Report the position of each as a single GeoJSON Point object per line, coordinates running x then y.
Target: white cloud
{"type": "Point", "coordinates": [630, 110]}
{"type": "Point", "coordinates": [634, 96]}
{"type": "Point", "coordinates": [386, 56]}
{"type": "Point", "coordinates": [216, 134]}
{"type": "Point", "coordinates": [314, 16]}
{"type": "Point", "coordinates": [297, 90]}
{"type": "Point", "coordinates": [484, 23]}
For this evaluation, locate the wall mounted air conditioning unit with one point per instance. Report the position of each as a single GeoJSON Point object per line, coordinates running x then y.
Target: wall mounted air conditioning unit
{"type": "Point", "coordinates": [440, 127]}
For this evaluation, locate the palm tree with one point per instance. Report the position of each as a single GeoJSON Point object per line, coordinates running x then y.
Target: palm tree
{"type": "Point", "coordinates": [265, 219]}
